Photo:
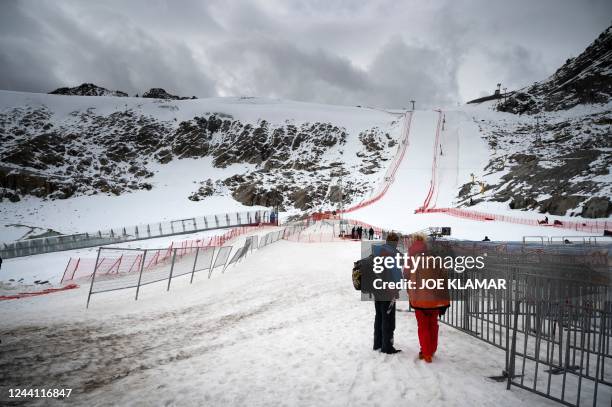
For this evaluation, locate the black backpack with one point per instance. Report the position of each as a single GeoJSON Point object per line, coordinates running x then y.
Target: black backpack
{"type": "Point", "coordinates": [363, 274]}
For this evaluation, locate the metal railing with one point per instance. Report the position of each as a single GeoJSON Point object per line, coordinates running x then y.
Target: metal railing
{"type": "Point", "coordinates": [554, 320]}
{"type": "Point", "coordinates": [133, 268]}
{"type": "Point", "coordinates": [131, 233]}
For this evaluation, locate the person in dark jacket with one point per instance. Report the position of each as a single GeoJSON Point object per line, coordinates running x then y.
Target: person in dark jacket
{"type": "Point", "coordinates": [371, 234]}
{"type": "Point", "coordinates": [353, 233]}
{"type": "Point", "coordinates": [359, 232]}
{"type": "Point", "coordinates": [384, 304]}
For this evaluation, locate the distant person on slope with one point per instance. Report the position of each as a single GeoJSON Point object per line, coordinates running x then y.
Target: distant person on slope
{"type": "Point", "coordinates": [371, 234]}
{"type": "Point", "coordinates": [360, 232]}
{"type": "Point", "coordinates": [353, 233]}
{"type": "Point", "coordinates": [427, 303]}
{"type": "Point", "coordinates": [486, 239]}
{"type": "Point", "coordinates": [384, 322]}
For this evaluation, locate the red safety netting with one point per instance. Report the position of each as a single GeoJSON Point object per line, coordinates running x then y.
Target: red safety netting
{"type": "Point", "coordinates": [390, 175]}
{"type": "Point", "coordinates": [329, 234]}
{"type": "Point", "coordinates": [434, 167]}
{"type": "Point", "coordinates": [581, 226]}
{"type": "Point", "coordinates": [126, 263]}
{"type": "Point", "coordinates": [37, 293]}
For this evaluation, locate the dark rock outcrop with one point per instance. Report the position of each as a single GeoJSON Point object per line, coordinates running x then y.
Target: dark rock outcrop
{"type": "Point", "coordinates": [159, 93]}
{"type": "Point", "coordinates": [597, 207]}
{"type": "Point", "coordinates": [88, 89]}
{"type": "Point", "coordinates": [585, 79]}
{"type": "Point", "coordinates": [111, 154]}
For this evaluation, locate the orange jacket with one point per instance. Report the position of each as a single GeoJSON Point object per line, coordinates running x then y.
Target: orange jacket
{"type": "Point", "coordinates": [424, 298]}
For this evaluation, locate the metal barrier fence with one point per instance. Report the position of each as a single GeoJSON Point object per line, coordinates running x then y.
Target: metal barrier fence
{"type": "Point", "coordinates": [554, 320]}
{"type": "Point", "coordinates": [270, 238]}
{"type": "Point", "coordinates": [132, 233]}
{"type": "Point", "coordinates": [134, 268]}
{"type": "Point", "coordinates": [152, 266]}
{"type": "Point", "coordinates": [330, 230]}
{"type": "Point", "coordinates": [242, 252]}
{"type": "Point", "coordinates": [81, 267]}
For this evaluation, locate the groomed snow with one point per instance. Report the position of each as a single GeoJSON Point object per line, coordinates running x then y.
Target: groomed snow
{"type": "Point", "coordinates": [282, 327]}
{"type": "Point", "coordinates": [464, 153]}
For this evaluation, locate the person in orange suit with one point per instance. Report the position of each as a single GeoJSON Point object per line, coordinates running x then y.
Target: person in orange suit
{"type": "Point", "coordinates": [428, 304]}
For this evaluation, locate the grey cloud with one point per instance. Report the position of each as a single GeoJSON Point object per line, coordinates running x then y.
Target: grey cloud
{"type": "Point", "coordinates": [398, 74]}
{"type": "Point", "coordinates": [57, 50]}
{"type": "Point", "coordinates": [278, 68]}
{"type": "Point", "coordinates": [516, 66]}
{"type": "Point", "coordinates": [402, 72]}
{"type": "Point", "coordinates": [365, 52]}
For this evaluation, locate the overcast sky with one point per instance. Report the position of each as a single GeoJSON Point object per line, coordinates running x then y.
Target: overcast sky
{"type": "Point", "coordinates": [354, 52]}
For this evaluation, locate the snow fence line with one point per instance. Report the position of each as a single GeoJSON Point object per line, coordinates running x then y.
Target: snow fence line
{"type": "Point", "coordinates": [434, 167]}
{"type": "Point", "coordinates": [332, 234]}
{"type": "Point", "coordinates": [128, 261]}
{"type": "Point", "coordinates": [158, 265]}
{"type": "Point", "coordinates": [135, 232]}
{"type": "Point", "coordinates": [580, 226]}
{"type": "Point", "coordinates": [37, 293]}
{"type": "Point", "coordinates": [390, 174]}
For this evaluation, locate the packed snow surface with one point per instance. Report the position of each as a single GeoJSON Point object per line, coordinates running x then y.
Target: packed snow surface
{"type": "Point", "coordinates": [464, 152]}
{"type": "Point", "coordinates": [282, 327]}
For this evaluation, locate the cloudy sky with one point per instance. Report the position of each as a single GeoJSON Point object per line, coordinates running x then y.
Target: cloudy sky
{"type": "Point", "coordinates": [366, 52]}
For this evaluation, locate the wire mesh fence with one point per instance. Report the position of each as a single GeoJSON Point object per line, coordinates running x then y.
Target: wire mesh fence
{"type": "Point", "coordinates": [81, 267]}
{"type": "Point", "coordinates": [132, 233]}
{"type": "Point", "coordinates": [553, 321]}
{"type": "Point", "coordinates": [125, 268]}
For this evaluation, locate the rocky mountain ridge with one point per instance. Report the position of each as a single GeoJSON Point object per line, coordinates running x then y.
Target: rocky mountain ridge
{"type": "Point", "coordinates": [554, 155]}
{"type": "Point", "coordinates": [86, 153]}
{"type": "Point", "coordinates": [89, 89]}
{"type": "Point", "coordinates": [586, 79]}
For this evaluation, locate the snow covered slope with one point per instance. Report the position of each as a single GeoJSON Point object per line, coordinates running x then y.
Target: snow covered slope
{"type": "Point", "coordinates": [552, 149]}
{"type": "Point", "coordinates": [75, 163]}
{"type": "Point", "coordinates": [247, 337]}
{"type": "Point", "coordinates": [461, 152]}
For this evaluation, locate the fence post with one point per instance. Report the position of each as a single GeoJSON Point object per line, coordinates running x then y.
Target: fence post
{"type": "Point", "coordinates": [513, 347]}
{"type": "Point", "coordinates": [75, 268]}
{"type": "Point", "coordinates": [600, 354]}
{"type": "Point", "coordinates": [93, 277]}
{"type": "Point", "coordinates": [212, 258]}
{"type": "Point", "coordinates": [144, 256]}
{"type": "Point", "coordinates": [171, 269]}
{"type": "Point", "coordinates": [66, 269]}
{"type": "Point", "coordinates": [194, 264]}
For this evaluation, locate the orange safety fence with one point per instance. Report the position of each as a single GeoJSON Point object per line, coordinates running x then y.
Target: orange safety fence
{"type": "Point", "coordinates": [37, 293]}
{"type": "Point", "coordinates": [84, 267]}
{"type": "Point", "coordinates": [434, 167]}
{"type": "Point", "coordinates": [390, 175]}
{"type": "Point", "coordinates": [333, 235]}
{"type": "Point", "coordinates": [597, 226]}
